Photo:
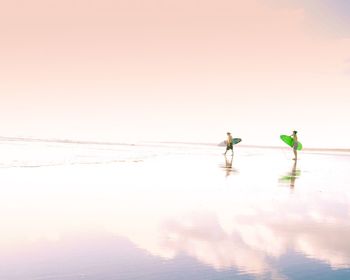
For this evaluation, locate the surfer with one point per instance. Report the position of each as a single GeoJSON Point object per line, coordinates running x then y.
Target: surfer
{"type": "Point", "coordinates": [295, 144]}
{"type": "Point", "coordinates": [229, 144]}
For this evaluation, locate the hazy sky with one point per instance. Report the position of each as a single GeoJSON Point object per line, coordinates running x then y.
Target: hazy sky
{"type": "Point", "coordinates": [184, 70]}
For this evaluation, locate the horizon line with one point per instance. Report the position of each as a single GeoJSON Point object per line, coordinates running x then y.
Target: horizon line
{"type": "Point", "coordinates": [71, 141]}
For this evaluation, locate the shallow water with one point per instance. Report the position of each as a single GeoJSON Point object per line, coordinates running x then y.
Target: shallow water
{"type": "Point", "coordinates": [166, 211]}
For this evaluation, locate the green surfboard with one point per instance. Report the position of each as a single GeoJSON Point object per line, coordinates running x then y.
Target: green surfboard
{"type": "Point", "coordinates": [236, 141]}
{"type": "Point", "coordinates": [290, 142]}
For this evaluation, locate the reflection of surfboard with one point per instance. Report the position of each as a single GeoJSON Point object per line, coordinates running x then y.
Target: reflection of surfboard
{"type": "Point", "coordinates": [236, 141]}
{"type": "Point", "coordinates": [290, 142]}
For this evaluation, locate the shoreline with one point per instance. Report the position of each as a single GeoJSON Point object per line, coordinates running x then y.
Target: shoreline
{"type": "Point", "coordinates": [142, 143]}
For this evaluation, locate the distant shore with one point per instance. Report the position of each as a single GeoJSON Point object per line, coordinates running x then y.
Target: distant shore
{"type": "Point", "coordinates": [71, 141]}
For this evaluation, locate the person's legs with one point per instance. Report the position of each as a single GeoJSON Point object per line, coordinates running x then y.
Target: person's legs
{"type": "Point", "coordinates": [295, 153]}
{"type": "Point", "coordinates": [231, 148]}
{"type": "Point", "coordinates": [295, 148]}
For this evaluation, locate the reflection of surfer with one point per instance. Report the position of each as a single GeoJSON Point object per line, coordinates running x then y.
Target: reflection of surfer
{"type": "Point", "coordinates": [228, 165]}
{"type": "Point", "coordinates": [229, 144]}
{"type": "Point", "coordinates": [291, 176]}
{"type": "Point", "coordinates": [295, 144]}
{"type": "Point", "coordinates": [294, 175]}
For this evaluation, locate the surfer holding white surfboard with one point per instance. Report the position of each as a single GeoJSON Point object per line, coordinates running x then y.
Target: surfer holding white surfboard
{"type": "Point", "coordinates": [230, 142]}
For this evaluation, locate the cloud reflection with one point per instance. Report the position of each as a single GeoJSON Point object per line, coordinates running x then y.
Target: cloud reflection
{"type": "Point", "coordinates": [181, 205]}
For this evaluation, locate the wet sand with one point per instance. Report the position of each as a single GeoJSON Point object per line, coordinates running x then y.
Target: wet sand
{"type": "Point", "coordinates": [172, 211]}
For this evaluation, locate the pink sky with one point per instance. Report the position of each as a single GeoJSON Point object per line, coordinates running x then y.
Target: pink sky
{"type": "Point", "coordinates": [173, 70]}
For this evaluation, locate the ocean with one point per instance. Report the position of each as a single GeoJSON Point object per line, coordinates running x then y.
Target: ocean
{"type": "Point", "coordinates": [152, 211]}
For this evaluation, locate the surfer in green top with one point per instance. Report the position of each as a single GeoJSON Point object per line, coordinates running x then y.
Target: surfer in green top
{"type": "Point", "coordinates": [295, 144]}
{"type": "Point", "coordinates": [229, 144]}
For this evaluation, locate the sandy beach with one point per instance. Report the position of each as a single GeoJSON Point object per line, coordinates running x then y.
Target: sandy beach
{"type": "Point", "coordinates": [171, 211]}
